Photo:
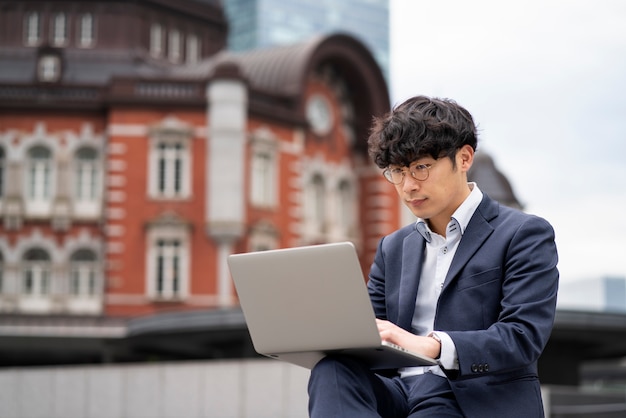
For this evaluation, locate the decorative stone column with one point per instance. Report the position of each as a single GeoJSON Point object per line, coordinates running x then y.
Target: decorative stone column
{"type": "Point", "coordinates": [13, 208]}
{"type": "Point", "coordinates": [227, 115]}
{"type": "Point", "coordinates": [61, 209]}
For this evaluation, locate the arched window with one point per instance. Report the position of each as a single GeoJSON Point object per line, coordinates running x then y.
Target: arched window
{"type": "Point", "coordinates": [86, 175]}
{"type": "Point", "coordinates": [174, 45]}
{"type": "Point", "coordinates": [156, 40]}
{"type": "Point", "coordinates": [39, 174]}
{"type": "Point", "coordinates": [345, 204]}
{"type": "Point", "coordinates": [83, 273]}
{"type": "Point", "coordinates": [262, 179]}
{"type": "Point", "coordinates": [59, 29]}
{"type": "Point", "coordinates": [86, 30]}
{"type": "Point", "coordinates": [36, 270]}
{"type": "Point", "coordinates": [32, 29]}
{"type": "Point", "coordinates": [264, 168]}
{"type": "Point", "coordinates": [192, 53]}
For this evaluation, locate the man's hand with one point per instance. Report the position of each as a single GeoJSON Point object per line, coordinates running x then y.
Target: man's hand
{"type": "Point", "coordinates": [421, 345]}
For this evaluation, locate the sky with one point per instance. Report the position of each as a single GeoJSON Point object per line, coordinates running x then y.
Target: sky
{"type": "Point", "coordinates": [545, 81]}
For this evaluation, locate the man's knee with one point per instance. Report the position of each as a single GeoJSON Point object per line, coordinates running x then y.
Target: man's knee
{"type": "Point", "coordinates": [338, 367]}
{"type": "Point", "coordinates": [344, 387]}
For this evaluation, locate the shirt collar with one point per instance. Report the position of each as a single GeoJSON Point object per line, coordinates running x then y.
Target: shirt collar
{"type": "Point", "coordinates": [461, 215]}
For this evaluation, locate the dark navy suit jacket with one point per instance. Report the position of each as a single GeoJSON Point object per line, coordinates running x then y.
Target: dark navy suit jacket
{"type": "Point", "coordinates": [497, 304]}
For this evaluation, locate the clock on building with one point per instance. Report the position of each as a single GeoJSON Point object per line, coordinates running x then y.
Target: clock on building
{"type": "Point", "coordinates": [319, 114]}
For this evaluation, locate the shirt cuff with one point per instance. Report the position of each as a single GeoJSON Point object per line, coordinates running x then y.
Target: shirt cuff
{"type": "Point", "coordinates": [448, 358]}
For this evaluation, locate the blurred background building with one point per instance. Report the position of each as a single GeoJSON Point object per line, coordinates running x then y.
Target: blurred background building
{"type": "Point", "coordinates": [255, 24]}
{"type": "Point", "coordinates": [607, 294]}
{"type": "Point", "coordinates": [137, 151]}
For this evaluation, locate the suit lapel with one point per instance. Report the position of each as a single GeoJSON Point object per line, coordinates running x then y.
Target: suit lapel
{"type": "Point", "coordinates": [412, 256]}
{"type": "Point", "coordinates": [477, 231]}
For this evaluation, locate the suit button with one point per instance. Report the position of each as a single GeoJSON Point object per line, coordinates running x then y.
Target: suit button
{"type": "Point", "coordinates": [474, 368]}
{"type": "Point", "coordinates": [481, 368]}
{"type": "Point", "coordinates": [486, 367]}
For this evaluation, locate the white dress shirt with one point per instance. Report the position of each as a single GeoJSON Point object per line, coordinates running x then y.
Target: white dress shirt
{"type": "Point", "coordinates": [438, 255]}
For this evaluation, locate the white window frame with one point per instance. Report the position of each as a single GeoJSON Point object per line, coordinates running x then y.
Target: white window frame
{"type": "Point", "coordinates": [38, 273]}
{"type": "Point", "coordinates": [263, 237]}
{"type": "Point", "coordinates": [263, 179]}
{"type": "Point", "coordinates": [168, 268]}
{"type": "Point", "coordinates": [169, 174]}
{"type": "Point", "coordinates": [345, 204]}
{"type": "Point", "coordinates": [87, 184]}
{"type": "Point", "coordinates": [318, 201]}
{"type": "Point", "coordinates": [156, 40]}
{"type": "Point", "coordinates": [49, 68]}
{"type": "Point", "coordinates": [39, 276]}
{"type": "Point", "coordinates": [59, 29]}
{"type": "Point", "coordinates": [344, 212]}
{"type": "Point", "coordinates": [264, 169]}
{"type": "Point", "coordinates": [84, 282]}
{"type": "Point", "coordinates": [174, 45]}
{"type": "Point", "coordinates": [40, 183]}
{"type": "Point", "coordinates": [317, 221]}
{"type": "Point", "coordinates": [170, 161]}
{"type": "Point", "coordinates": [192, 49]}
{"type": "Point", "coordinates": [86, 30]}
{"type": "Point", "coordinates": [168, 258]}
{"type": "Point", "coordinates": [32, 32]}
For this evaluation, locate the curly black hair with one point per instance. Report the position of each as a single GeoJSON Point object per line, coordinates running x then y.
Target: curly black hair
{"type": "Point", "coordinates": [419, 127]}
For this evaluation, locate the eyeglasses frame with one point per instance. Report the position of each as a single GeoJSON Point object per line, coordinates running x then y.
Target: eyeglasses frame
{"type": "Point", "coordinates": [413, 171]}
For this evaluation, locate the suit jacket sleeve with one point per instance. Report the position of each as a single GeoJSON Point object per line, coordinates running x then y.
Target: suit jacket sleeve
{"type": "Point", "coordinates": [516, 294]}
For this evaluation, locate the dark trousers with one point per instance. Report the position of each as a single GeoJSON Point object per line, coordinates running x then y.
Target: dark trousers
{"type": "Point", "coordinates": [342, 387]}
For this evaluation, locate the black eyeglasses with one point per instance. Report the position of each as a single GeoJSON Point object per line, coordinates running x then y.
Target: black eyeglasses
{"type": "Point", "coordinates": [418, 172]}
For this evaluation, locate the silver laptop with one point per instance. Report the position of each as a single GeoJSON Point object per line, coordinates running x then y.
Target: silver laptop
{"type": "Point", "coordinates": [303, 303]}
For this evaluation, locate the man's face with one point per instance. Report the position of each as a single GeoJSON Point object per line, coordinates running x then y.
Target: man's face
{"type": "Point", "coordinates": [441, 193]}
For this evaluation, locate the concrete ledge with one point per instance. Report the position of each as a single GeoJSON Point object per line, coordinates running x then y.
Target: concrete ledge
{"type": "Point", "coordinates": [220, 389]}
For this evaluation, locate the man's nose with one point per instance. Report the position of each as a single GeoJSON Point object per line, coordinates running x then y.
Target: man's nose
{"type": "Point", "coordinates": [410, 183]}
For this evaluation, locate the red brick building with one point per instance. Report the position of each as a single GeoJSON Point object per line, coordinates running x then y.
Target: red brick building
{"type": "Point", "coordinates": [136, 154]}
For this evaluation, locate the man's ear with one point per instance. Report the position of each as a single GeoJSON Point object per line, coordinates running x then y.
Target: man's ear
{"type": "Point", "coordinates": [465, 157]}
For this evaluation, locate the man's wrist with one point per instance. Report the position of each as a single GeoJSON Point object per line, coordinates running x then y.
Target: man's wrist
{"type": "Point", "coordinates": [435, 337]}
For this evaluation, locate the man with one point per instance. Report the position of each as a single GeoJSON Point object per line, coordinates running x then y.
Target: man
{"type": "Point", "coordinates": [471, 283]}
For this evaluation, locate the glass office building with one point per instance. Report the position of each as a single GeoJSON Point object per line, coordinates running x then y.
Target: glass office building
{"type": "Point", "coordinates": [260, 23]}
